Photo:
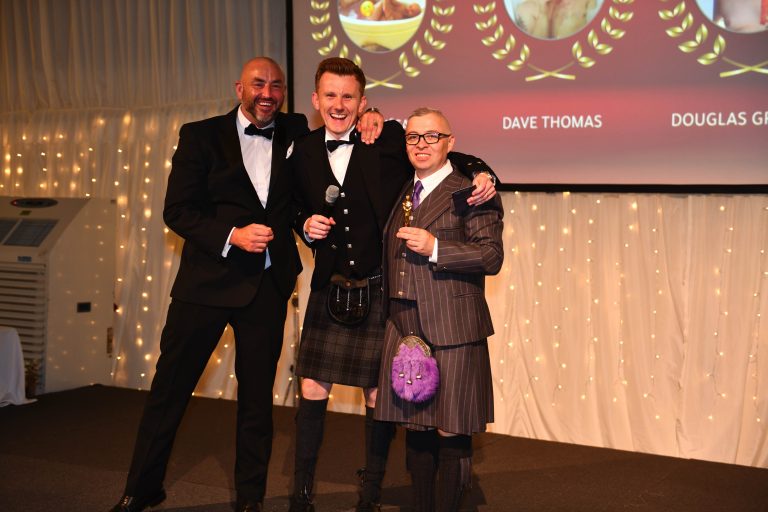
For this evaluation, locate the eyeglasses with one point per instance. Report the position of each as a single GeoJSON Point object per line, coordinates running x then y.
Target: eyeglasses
{"type": "Point", "coordinates": [430, 137]}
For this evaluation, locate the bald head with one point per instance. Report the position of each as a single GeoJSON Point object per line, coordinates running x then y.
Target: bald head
{"type": "Point", "coordinates": [259, 62]}
{"type": "Point", "coordinates": [261, 90]}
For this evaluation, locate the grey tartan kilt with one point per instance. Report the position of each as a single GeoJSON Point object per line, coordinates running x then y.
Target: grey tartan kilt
{"type": "Point", "coordinates": [339, 354]}
{"type": "Point", "coordinates": [463, 403]}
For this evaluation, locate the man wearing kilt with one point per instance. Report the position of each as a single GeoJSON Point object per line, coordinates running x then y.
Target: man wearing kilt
{"type": "Point", "coordinates": [343, 327]}
{"type": "Point", "coordinates": [436, 256]}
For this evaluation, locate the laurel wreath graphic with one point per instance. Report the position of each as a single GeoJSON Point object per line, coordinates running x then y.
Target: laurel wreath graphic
{"type": "Point", "coordinates": [518, 61]}
{"type": "Point", "coordinates": [417, 51]}
{"type": "Point", "coordinates": [700, 39]}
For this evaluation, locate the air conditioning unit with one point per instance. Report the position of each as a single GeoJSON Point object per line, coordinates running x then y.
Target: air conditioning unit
{"type": "Point", "coordinates": [57, 280]}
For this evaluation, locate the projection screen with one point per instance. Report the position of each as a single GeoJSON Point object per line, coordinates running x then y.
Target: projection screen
{"type": "Point", "coordinates": [563, 91]}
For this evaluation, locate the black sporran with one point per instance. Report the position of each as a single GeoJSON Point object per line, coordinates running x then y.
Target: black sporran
{"type": "Point", "coordinates": [349, 300]}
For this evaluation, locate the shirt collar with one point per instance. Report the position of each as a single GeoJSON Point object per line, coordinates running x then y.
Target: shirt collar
{"type": "Point", "coordinates": [329, 135]}
{"type": "Point", "coordinates": [433, 180]}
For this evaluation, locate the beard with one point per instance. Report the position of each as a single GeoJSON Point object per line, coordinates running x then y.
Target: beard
{"type": "Point", "coordinates": [263, 118]}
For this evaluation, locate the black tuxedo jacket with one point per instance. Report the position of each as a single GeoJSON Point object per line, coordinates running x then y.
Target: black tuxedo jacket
{"type": "Point", "coordinates": [383, 165]}
{"type": "Point", "coordinates": [209, 193]}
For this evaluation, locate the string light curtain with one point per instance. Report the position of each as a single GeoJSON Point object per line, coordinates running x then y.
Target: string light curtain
{"type": "Point", "coordinates": [92, 96]}
{"type": "Point", "coordinates": [631, 321]}
{"type": "Point", "coordinates": [635, 321]}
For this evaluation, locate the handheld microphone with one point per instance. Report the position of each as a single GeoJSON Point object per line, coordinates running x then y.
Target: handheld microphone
{"type": "Point", "coordinates": [331, 195]}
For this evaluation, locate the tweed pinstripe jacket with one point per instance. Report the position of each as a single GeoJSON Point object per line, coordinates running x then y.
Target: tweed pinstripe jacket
{"type": "Point", "coordinates": [450, 293]}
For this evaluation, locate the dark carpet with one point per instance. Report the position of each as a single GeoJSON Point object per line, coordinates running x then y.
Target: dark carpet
{"type": "Point", "coordinates": [69, 451]}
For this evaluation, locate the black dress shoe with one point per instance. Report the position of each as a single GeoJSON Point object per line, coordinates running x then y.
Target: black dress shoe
{"type": "Point", "coordinates": [301, 504]}
{"type": "Point", "coordinates": [244, 505]}
{"type": "Point", "coordinates": [138, 503]}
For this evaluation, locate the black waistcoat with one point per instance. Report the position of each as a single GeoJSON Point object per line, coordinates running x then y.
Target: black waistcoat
{"type": "Point", "coordinates": [356, 238]}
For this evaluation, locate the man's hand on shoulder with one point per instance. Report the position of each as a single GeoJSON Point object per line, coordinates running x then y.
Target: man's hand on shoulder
{"type": "Point", "coordinates": [370, 125]}
{"type": "Point", "coordinates": [485, 189]}
{"type": "Point", "coordinates": [252, 238]}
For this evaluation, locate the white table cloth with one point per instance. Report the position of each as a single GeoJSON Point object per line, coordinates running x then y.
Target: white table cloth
{"type": "Point", "coordinates": [11, 368]}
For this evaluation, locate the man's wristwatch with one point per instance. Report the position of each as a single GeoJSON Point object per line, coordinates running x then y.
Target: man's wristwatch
{"type": "Point", "coordinates": [490, 176]}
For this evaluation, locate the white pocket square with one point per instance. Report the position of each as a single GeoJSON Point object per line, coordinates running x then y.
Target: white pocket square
{"type": "Point", "coordinates": [290, 150]}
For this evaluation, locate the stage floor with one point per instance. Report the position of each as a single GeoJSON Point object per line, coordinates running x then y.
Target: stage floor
{"type": "Point", "coordinates": [70, 451]}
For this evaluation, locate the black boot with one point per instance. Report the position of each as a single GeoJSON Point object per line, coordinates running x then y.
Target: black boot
{"type": "Point", "coordinates": [454, 473]}
{"type": "Point", "coordinates": [378, 436]}
{"type": "Point", "coordinates": [421, 461]}
{"type": "Point", "coordinates": [310, 421]}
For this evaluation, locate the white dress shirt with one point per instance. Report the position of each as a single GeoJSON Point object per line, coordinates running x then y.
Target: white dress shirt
{"type": "Point", "coordinates": [339, 159]}
{"type": "Point", "coordinates": [430, 183]}
{"type": "Point", "coordinates": [257, 157]}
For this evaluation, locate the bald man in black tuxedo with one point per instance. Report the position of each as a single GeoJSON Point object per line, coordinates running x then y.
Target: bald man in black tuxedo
{"type": "Point", "coordinates": [230, 197]}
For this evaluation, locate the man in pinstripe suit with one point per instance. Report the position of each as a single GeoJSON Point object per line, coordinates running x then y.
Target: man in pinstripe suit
{"type": "Point", "coordinates": [434, 278]}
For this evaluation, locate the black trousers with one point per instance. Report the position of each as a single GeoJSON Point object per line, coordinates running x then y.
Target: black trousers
{"type": "Point", "coordinates": [189, 337]}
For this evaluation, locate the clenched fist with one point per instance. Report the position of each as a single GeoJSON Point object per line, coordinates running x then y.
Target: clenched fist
{"type": "Point", "coordinates": [252, 238]}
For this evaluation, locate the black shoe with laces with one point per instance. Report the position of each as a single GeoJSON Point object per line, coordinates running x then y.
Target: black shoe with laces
{"type": "Point", "coordinates": [138, 503]}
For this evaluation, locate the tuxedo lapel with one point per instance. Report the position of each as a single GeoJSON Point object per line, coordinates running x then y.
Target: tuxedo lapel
{"type": "Point", "coordinates": [319, 164]}
{"type": "Point", "coordinates": [398, 207]}
{"type": "Point", "coordinates": [438, 201]}
{"type": "Point", "coordinates": [279, 152]}
{"type": "Point", "coordinates": [230, 141]}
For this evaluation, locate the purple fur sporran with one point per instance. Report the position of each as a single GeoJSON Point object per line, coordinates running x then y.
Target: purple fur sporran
{"type": "Point", "coordinates": [415, 376]}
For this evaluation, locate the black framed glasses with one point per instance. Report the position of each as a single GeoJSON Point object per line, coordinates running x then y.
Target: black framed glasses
{"type": "Point", "coordinates": [430, 137]}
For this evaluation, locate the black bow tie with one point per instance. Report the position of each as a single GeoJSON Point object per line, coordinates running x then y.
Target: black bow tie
{"type": "Point", "coordinates": [251, 129]}
{"type": "Point", "coordinates": [333, 145]}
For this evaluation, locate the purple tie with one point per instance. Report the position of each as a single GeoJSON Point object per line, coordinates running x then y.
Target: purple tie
{"type": "Point", "coordinates": [417, 188]}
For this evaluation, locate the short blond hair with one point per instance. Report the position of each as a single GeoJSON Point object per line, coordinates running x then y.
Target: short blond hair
{"type": "Point", "coordinates": [425, 111]}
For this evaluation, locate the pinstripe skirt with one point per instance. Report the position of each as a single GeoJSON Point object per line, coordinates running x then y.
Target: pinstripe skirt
{"type": "Point", "coordinates": [463, 403]}
{"type": "Point", "coordinates": [337, 353]}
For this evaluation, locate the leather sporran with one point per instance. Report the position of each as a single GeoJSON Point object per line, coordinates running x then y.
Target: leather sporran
{"type": "Point", "coordinates": [349, 300]}
{"type": "Point", "coordinates": [415, 376]}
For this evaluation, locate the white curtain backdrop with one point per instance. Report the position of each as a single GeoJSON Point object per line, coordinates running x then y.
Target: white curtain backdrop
{"type": "Point", "coordinates": [92, 96]}
{"type": "Point", "coordinates": [635, 321]}
{"type": "Point", "coordinates": [631, 321]}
